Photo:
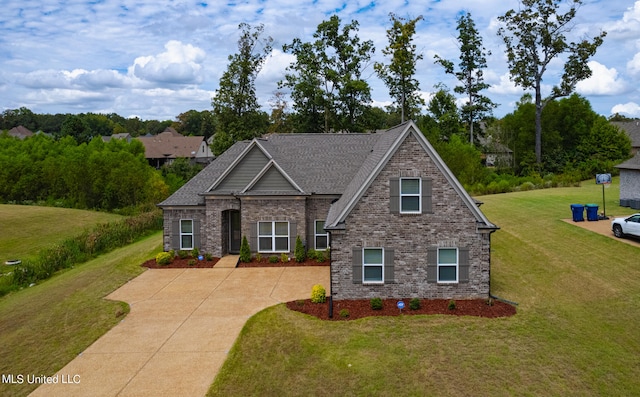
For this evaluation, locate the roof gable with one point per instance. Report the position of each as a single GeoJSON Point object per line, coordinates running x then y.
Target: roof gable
{"type": "Point", "coordinates": [271, 179]}
{"type": "Point", "coordinates": [243, 170]}
{"type": "Point", "coordinates": [379, 157]}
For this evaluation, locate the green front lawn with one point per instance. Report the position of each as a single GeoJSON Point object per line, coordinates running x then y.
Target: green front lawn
{"type": "Point", "coordinates": [575, 334]}
{"type": "Point", "coordinates": [44, 327]}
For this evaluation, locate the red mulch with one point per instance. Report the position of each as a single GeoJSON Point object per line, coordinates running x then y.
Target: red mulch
{"type": "Point", "coordinates": [264, 262]}
{"type": "Point", "coordinates": [184, 263]}
{"type": "Point", "coordinates": [361, 308]}
{"type": "Point", "coordinates": [181, 264]}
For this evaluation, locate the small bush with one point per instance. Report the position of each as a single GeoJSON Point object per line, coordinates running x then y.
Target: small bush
{"type": "Point", "coordinates": [414, 304]}
{"type": "Point", "coordinates": [164, 258]}
{"type": "Point", "coordinates": [376, 303]}
{"type": "Point", "coordinates": [320, 256]}
{"type": "Point", "coordinates": [318, 294]}
{"type": "Point", "coordinates": [312, 254]}
{"type": "Point", "coordinates": [299, 252]}
{"type": "Point", "coordinates": [490, 302]}
{"type": "Point", "coordinates": [191, 262]}
{"type": "Point", "coordinates": [195, 252]}
{"type": "Point", "coordinates": [284, 258]}
{"type": "Point", "coordinates": [258, 257]}
{"type": "Point", "coordinates": [273, 259]}
{"type": "Point", "coordinates": [452, 305]}
{"type": "Point", "coordinates": [245, 251]}
{"type": "Point", "coordinates": [182, 254]}
{"type": "Point", "coordinates": [208, 257]}
{"type": "Point", "coordinates": [344, 313]}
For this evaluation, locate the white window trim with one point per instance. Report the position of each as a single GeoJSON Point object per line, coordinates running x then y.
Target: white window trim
{"type": "Point", "coordinates": [316, 235]}
{"type": "Point", "coordinates": [418, 195]}
{"type": "Point", "coordinates": [457, 266]}
{"type": "Point", "coordinates": [273, 236]}
{"type": "Point", "coordinates": [372, 265]}
{"type": "Point", "coordinates": [187, 234]}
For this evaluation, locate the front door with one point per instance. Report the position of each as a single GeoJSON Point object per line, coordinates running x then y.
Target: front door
{"type": "Point", "coordinates": [235, 234]}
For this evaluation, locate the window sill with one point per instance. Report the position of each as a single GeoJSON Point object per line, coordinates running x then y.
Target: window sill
{"type": "Point", "coordinates": [373, 283]}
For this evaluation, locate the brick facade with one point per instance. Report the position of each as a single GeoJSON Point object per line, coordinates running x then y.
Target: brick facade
{"type": "Point", "coordinates": [371, 224]}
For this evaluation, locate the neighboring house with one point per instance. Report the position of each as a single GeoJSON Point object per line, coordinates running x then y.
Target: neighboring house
{"type": "Point", "coordinates": [124, 135]}
{"type": "Point", "coordinates": [398, 223]}
{"type": "Point", "coordinates": [632, 128]}
{"type": "Point", "coordinates": [20, 132]}
{"type": "Point", "coordinates": [170, 145]}
{"type": "Point", "coordinates": [495, 154]}
{"type": "Point", "coordinates": [630, 182]}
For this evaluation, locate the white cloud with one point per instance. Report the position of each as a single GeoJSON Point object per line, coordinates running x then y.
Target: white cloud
{"type": "Point", "coordinates": [630, 109]}
{"type": "Point", "coordinates": [505, 86]}
{"type": "Point", "coordinates": [633, 66]}
{"type": "Point", "coordinates": [603, 81]}
{"type": "Point", "coordinates": [179, 64]}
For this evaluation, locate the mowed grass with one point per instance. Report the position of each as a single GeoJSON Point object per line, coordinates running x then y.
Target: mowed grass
{"type": "Point", "coordinates": [576, 332]}
{"type": "Point", "coordinates": [44, 327]}
{"type": "Point", "coordinates": [25, 230]}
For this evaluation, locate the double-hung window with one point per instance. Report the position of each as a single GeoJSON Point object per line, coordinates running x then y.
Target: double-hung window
{"type": "Point", "coordinates": [273, 236]}
{"type": "Point", "coordinates": [186, 234]}
{"type": "Point", "coordinates": [321, 236]}
{"type": "Point", "coordinates": [447, 265]}
{"type": "Point", "coordinates": [410, 195]}
{"type": "Point", "coordinates": [373, 265]}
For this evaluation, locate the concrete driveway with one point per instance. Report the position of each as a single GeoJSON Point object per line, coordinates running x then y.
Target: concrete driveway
{"type": "Point", "coordinates": [181, 326]}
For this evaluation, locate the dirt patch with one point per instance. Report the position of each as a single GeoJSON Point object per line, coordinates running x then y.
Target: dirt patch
{"type": "Point", "coordinates": [361, 308]}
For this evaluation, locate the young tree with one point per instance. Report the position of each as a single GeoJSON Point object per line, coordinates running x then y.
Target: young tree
{"type": "Point", "coordinates": [473, 58]}
{"type": "Point", "coordinates": [235, 103]}
{"type": "Point", "coordinates": [398, 75]}
{"type": "Point", "coordinates": [442, 107]}
{"type": "Point", "coordinates": [326, 79]}
{"type": "Point", "coordinates": [535, 35]}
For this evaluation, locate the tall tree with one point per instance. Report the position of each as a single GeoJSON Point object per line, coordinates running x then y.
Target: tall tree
{"type": "Point", "coordinates": [473, 59]}
{"type": "Point", "coordinates": [398, 75]}
{"type": "Point", "coordinates": [442, 107]}
{"type": "Point", "coordinates": [535, 35]}
{"type": "Point", "coordinates": [235, 103]}
{"type": "Point", "coordinates": [326, 79]}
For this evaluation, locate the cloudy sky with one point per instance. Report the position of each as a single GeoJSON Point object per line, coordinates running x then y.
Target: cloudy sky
{"type": "Point", "coordinates": [155, 59]}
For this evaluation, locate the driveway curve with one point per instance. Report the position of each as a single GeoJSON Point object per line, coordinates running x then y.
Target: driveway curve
{"type": "Point", "coordinates": [181, 326]}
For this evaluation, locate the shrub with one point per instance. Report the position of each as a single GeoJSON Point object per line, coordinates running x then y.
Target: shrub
{"type": "Point", "coordinates": [164, 258]}
{"type": "Point", "coordinates": [312, 254]}
{"type": "Point", "coordinates": [452, 305]}
{"type": "Point", "coordinates": [344, 313]}
{"type": "Point", "coordinates": [320, 256]}
{"type": "Point", "coordinates": [414, 304]}
{"type": "Point", "coordinates": [195, 252]}
{"type": "Point", "coordinates": [208, 257]}
{"type": "Point", "coordinates": [376, 303]}
{"type": "Point", "coordinates": [318, 294]}
{"type": "Point", "coordinates": [284, 258]}
{"type": "Point", "coordinates": [299, 252]}
{"type": "Point", "coordinates": [182, 254]}
{"type": "Point", "coordinates": [245, 251]}
{"type": "Point", "coordinates": [258, 257]}
{"type": "Point", "coordinates": [191, 262]}
{"type": "Point", "coordinates": [273, 259]}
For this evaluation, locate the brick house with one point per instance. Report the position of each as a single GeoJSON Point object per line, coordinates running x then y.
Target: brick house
{"type": "Point", "coordinates": [397, 221]}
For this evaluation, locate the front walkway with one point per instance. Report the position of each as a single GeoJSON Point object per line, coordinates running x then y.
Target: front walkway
{"type": "Point", "coordinates": [181, 326]}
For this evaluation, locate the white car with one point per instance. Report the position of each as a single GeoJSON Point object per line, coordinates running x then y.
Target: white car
{"type": "Point", "coordinates": [629, 225]}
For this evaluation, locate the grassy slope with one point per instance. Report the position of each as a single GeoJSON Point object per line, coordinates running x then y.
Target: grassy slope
{"type": "Point", "coordinates": [575, 334]}
{"type": "Point", "coordinates": [46, 326]}
{"type": "Point", "coordinates": [27, 229]}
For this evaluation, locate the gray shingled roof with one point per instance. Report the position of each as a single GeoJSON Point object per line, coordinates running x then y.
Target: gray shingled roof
{"type": "Point", "coordinates": [632, 128]}
{"type": "Point", "coordinates": [631, 164]}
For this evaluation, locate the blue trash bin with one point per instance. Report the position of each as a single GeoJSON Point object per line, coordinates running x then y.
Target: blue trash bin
{"type": "Point", "coordinates": [578, 212]}
{"type": "Point", "coordinates": [592, 212]}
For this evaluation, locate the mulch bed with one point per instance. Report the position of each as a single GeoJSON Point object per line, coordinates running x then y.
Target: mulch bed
{"type": "Point", "coordinates": [361, 308]}
{"type": "Point", "coordinates": [204, 264]}
{"type": "Point", "coordinates": [264, 262]}
{"type": "Point", "coordinates": [181, 264]}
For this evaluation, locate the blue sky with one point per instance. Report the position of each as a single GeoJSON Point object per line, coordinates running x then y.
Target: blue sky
{"type": "Point", "coordinates": [155, 59]}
